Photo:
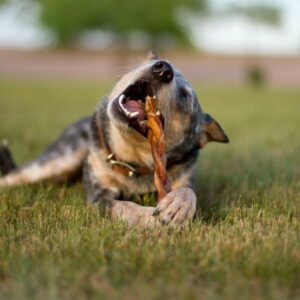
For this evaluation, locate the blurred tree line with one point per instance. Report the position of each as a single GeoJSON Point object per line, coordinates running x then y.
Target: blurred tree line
{"type": "Point", "coordinates": [156, 19]}
{"type": "Point", "coordinates": [260, 13]}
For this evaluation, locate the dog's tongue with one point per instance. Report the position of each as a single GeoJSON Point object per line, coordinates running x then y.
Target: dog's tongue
{"type": "Point", "coordinates": [135, 106]}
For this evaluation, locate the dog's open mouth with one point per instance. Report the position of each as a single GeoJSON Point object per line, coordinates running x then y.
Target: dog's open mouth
{"type": "Point", "coordinates": [131, 104]}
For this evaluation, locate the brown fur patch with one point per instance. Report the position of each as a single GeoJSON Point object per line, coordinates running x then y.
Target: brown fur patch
{"type": "Point", "coordinates": [104, 175]}
{"type": "Point", "coordinates": [130, 147]}
{"type": "Point", "coordinates": [108, 178]}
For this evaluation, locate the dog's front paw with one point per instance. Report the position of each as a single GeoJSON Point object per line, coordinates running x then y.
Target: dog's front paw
{"type": "Point", "coordinates": [132, 214]}
{"type": "Point", "coordinates": [177, 207]}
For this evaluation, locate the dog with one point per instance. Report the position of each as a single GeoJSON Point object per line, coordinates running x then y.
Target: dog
{"type": "Point", "coordinates": [111, 148]}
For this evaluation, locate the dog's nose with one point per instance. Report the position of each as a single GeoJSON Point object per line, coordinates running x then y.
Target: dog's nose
{"type": "Point", "coordinates": [162, 71]}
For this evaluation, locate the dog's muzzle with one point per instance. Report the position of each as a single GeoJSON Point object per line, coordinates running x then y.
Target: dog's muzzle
{"type": "Point", "coordinates": [130, 104]}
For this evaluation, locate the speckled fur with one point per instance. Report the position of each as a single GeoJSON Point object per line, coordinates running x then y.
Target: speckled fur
{"type": "Point", "coordinates": [78, 149]}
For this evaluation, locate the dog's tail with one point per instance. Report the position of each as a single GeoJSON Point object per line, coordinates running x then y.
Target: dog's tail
{"type": "Point", "coordinates": [7, 162]}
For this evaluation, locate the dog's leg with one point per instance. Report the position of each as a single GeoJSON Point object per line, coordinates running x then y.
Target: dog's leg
{"type": "Point", "coordinates": [61, 160]}
{"type": "Point", "coordinates": [127, 211]}
{"type": "Point", "coordinates": [130, 212]}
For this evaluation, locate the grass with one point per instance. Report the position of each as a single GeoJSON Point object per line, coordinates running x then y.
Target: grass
{"type": "Point", "coordinates": [244, 243]}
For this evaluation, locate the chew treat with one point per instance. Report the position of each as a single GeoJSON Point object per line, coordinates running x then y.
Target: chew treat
{"type": "Point", "coordinates": [157, 142]}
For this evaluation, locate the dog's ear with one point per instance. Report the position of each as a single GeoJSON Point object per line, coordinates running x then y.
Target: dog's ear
{"type": "Point", "coordinates": [211, 131]}
{"type": "Point", "coordinates": [151, 56]}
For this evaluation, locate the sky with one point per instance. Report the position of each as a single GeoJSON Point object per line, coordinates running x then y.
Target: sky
{"type": "Point", "coordinates": [229, 35]}
{"type": "Point", "coordinates": [238, 35]}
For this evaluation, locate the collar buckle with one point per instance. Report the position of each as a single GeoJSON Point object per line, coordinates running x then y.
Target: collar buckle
{"type": "Point", "coordinates": [131, 170]}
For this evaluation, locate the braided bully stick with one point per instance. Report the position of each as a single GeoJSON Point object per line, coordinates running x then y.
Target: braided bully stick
{"type": "Point", "coordinates": [157, 142]}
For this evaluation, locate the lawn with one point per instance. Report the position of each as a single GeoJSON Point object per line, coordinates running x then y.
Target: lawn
{"type": "Point", "coordinates": [244, 243]}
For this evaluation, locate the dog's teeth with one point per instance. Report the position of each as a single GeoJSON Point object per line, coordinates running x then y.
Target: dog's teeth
{"type": "Point", "coordinates": [158, 113]}
{"type": "Point", "coordinates": [127, 112]}
{"type": "Point", "coordinates": [134, 114]}
{"type": "Point", "coordinates": [121, 100]}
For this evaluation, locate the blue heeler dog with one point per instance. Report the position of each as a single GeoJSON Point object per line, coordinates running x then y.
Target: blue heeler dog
{"type": "Point", "coordinates": [112, 150]}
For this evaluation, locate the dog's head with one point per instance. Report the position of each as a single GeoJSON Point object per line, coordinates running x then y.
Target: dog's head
{"type": "Point", "coordinates": [182, 116]}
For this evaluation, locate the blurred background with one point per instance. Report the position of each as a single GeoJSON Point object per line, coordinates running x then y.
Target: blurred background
{"type": "Point", "coordinates": [58, 57]}
{"type": "Point", "coordinates": [213, 42]}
